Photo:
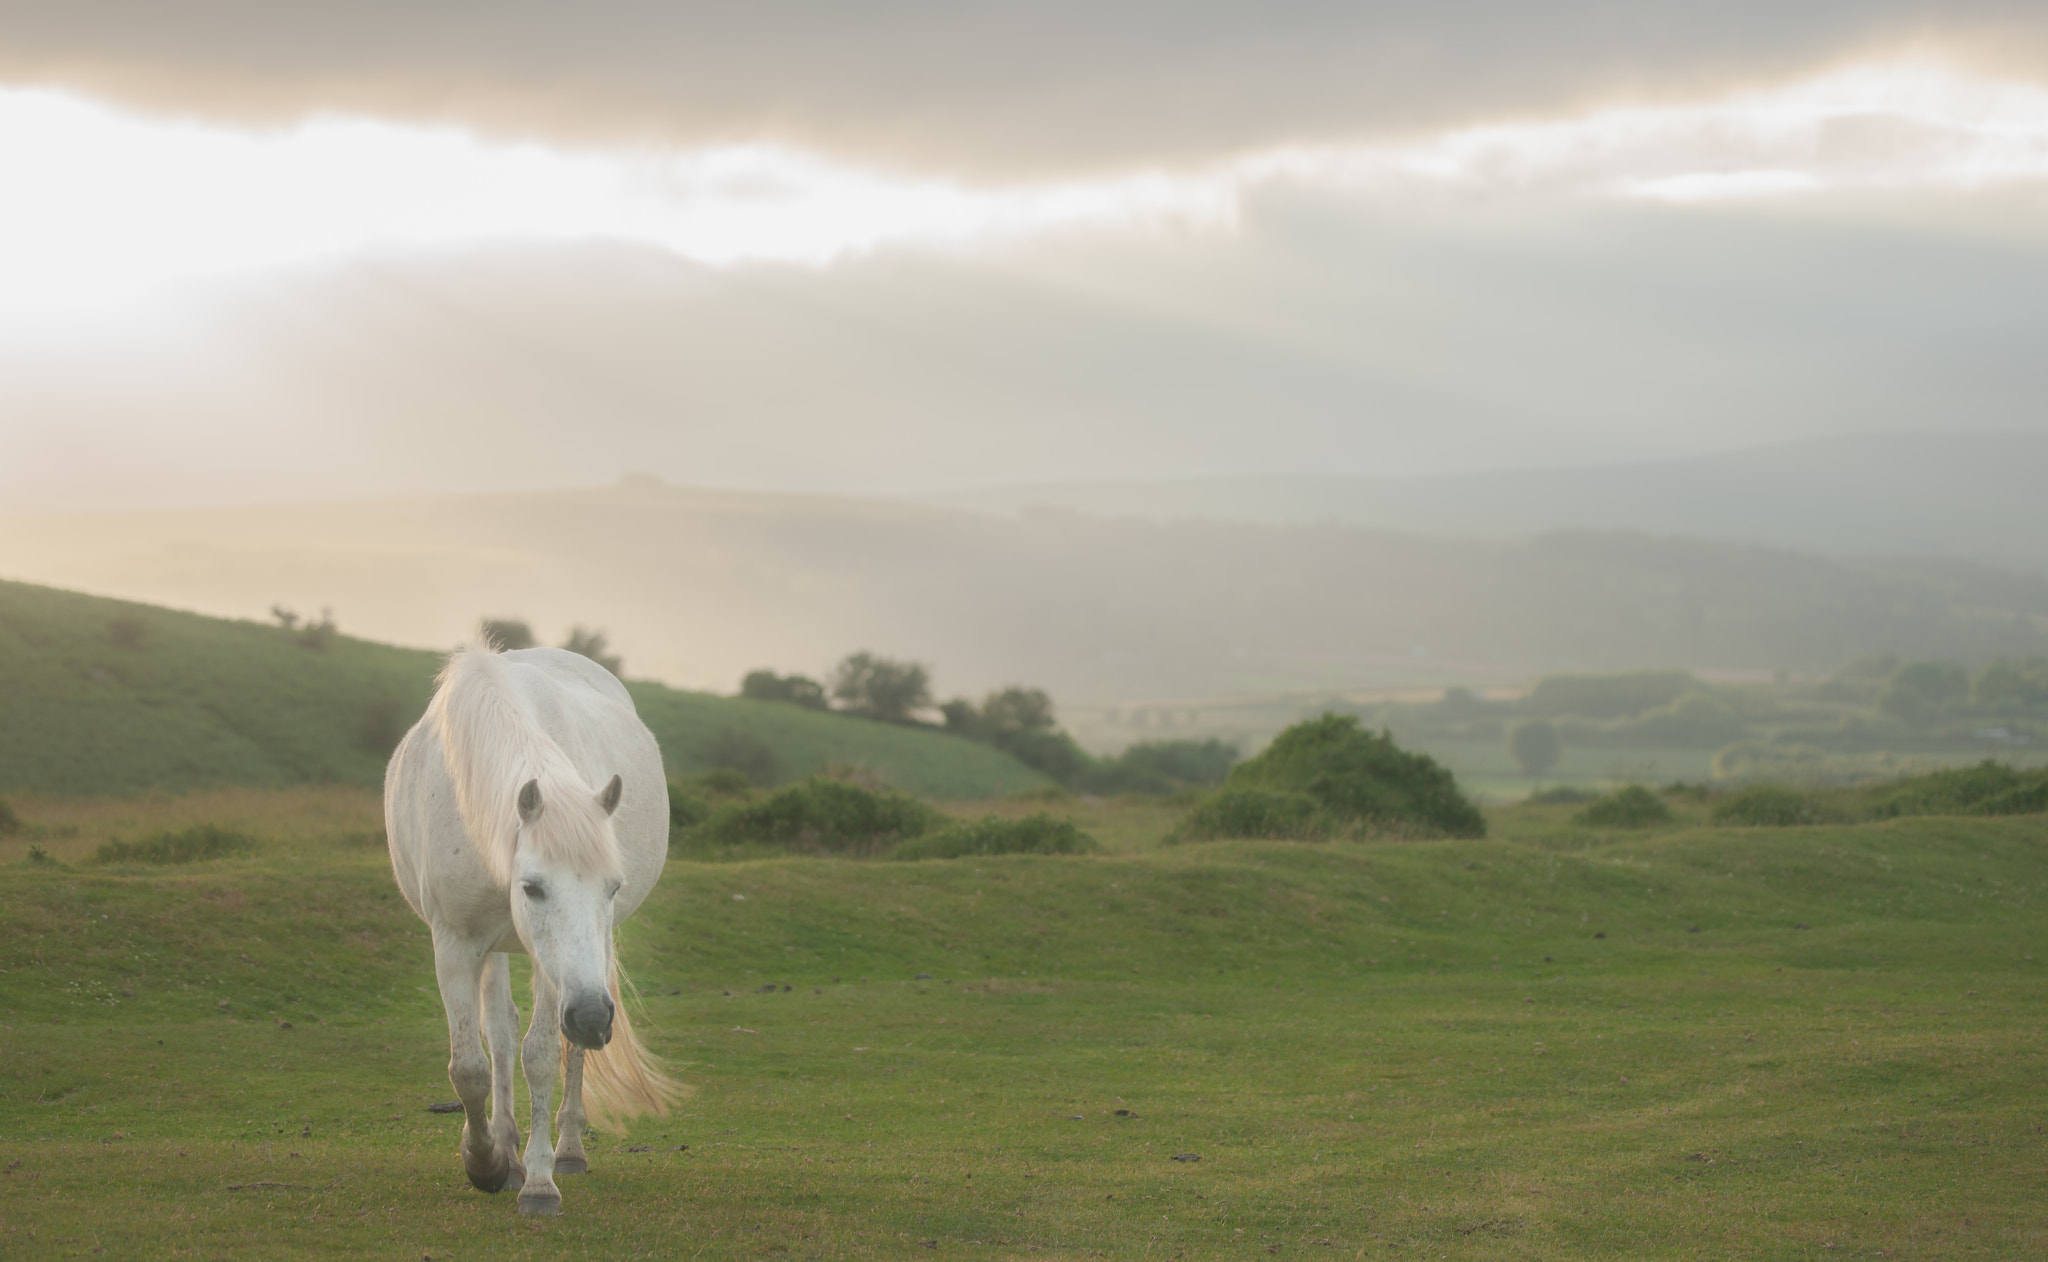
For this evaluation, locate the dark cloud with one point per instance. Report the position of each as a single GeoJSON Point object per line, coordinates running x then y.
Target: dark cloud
{"type": "Point", "coordinates": [980, 88]}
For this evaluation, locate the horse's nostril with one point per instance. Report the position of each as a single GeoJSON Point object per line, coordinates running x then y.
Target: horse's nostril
{"type": "Point", "coordinates": [587, 1021]}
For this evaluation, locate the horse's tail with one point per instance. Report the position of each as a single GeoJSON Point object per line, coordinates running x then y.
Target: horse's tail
{"type": "Point", "coordinates": [623, 1079]}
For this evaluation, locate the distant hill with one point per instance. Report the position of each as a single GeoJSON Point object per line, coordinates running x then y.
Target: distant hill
{"type": "Point", "coordinates": [697, 587]}
{"type": "Point", "coordinates": [107, 696]}
{"type": "Point", "coordinates": [1971, 496]}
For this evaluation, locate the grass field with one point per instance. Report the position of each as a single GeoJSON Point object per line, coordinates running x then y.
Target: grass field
{"type": "Point", "coordinates": [1555, 1043]}
{"type": "Point", "coordinates": [107, 696]}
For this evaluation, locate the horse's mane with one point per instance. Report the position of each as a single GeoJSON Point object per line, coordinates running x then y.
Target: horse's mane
{"type": "Point", "coordinates": [493, 744]}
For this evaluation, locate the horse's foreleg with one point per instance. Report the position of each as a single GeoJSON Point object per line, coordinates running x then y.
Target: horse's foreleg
{"type": "Point", "coordinates": [569, 1158]}
{"type": "Point", "coordinates": [541, 1054]}
{"type": "Point", "coordinates": [501, 1031]}
{"type": "Point", "coordinates": [459, 969]}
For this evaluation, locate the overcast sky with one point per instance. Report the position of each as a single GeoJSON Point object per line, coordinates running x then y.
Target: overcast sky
{"type": "Point", "coordinates": [263, 252]}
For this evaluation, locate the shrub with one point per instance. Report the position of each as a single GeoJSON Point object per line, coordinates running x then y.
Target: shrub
{"type": "Point", "coordinates": [1771, 806]}
{"type": "Point", "coordinates": [1164, 767]}
{"type": "Point", "coordinates": [1033, 834]}
{"type": "Point", "coordinates": [202, 842]}
{"type": "Point", "coordinates": [1535, 746]}
{"type": "Point", "coordinates": [1989, 788]}
{"type": "Point", "coordinates": [821, 816]}
{"type": "Point", "coordinates": [1359, 780]}
{"type": "Point", "coordinates": [2028, 799]}
{"type": "Point", "coordinates": [1263, 814]}
{"type": "Point", "coordinates": [1631, 806]}
{"type": "Point", "coordinates": [796, 690]}
{"type": "Point", "coordinates": [749, 756]}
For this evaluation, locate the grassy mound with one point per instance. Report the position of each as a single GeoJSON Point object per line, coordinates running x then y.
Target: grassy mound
{"type": "Point", "coordinates": [1358, 783]}
{"type": "Point", "coordinates": [112, 697]}
{"type": "Point", "coordinates": [1631, 806]}
{"type": "Point", "coordinates": [993, 834]}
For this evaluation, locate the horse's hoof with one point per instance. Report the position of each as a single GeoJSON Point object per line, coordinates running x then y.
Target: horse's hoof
{"type": "Point", "coordinates": [540, 1199]}
{"type": "Point", "coordinates": [571, 1165]}
{"type": "Point", "coordinates": [491, 1178]}
{"type": "Point", "coordinates": [515, 1177]}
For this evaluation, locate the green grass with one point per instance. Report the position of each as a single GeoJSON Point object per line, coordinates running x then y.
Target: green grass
{"type": "Point", "coordinates": [103, 696]}
{"type": "Point", "coordinates": [1510, 1048]}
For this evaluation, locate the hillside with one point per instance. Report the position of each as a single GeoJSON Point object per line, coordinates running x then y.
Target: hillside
{"type": "Point", "coordinates": [102, 696]}
{"type": "Point", "coordinates": [697, 587]}
{"type": "Point", "coordinates": [1970, 496]}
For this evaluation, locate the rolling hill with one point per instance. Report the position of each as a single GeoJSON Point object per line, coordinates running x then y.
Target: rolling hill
{"type": "Point", "coordinates": [697, 587]}
{"type": "Point", "coordinates": [1967, 496]}
{"type": "Point", "coordinates": [102, 696]}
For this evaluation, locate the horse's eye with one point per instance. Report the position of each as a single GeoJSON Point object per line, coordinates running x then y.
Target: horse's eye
{"type": "Point", "coordinates": [615, 889]}
{"type": "Point", "coordinates": [533, 890]}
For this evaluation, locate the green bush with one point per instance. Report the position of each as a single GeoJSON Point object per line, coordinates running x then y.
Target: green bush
{"type": "Point", "coordinates": [2028, 799]}
{"type": "Point", "coordinates": [819, 816]}
{"type": "Point", "coordinates": [10, 823]}
{"type": "Point", "coordinates": [797, 690]}
{"type": "Point", "coordinates": [1263, 814]}
{"type": "Point", "coordinates": [1631, 806]}
{"type": "Point", "coordinates": [1162, 767]}
{"type": "Point", "coordinates": [1989, 788]}
{"type": "Point", "coordinates": [1360, 781]}
{"type": "Point", "coordinates": [1033, 834]}
{"type": "Point", "coordinates": [191, 845]}
{"type": "Point", "coordinates": [1772, 806]}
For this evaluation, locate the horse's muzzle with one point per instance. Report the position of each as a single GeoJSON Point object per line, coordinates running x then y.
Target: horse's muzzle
{"type": "Point", "coordinates": [587, 1021]}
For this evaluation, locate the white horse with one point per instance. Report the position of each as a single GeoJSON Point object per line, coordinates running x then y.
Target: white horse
{"type": "Point", "coordinates": [501, 843]}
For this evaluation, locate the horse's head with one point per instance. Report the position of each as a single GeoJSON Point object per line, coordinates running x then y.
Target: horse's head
{"type": "Point", "coordinates": [565, 874]}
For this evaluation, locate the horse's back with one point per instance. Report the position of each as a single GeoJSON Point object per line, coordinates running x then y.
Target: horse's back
{"type": "Point", "coordinates": [589, 715]}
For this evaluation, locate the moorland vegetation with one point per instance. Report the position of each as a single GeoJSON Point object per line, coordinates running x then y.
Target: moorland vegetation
{"type": "Point", "coordinates": [1558, 1040]}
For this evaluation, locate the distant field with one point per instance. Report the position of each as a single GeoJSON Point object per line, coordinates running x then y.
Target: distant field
{"type": "Point", "coordinates": [105, 696]}
{"type": "Point", "coordinates": [1556, 1043]}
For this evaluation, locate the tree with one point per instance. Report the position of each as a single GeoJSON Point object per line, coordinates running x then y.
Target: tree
{"type": "Point", "coordinates": [507, 633]}
{"type": "Point", "coordinates": [2013, 685]}
{"type": "Point", "coordinates": [1535, 746]}
{"type": "Point", "coordinates": [796, 690]}
{"type": "Point", "coordinates": [1013, 710]}
{"type": "Point", "coordinates": [882, 689]}
{"type": "Point", "coordinates": [592, 645]}
{"type": "Point", "coordinates": [1921, 693]}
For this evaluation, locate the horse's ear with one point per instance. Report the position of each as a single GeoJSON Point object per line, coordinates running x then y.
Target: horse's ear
{"type": "Point", "coordinates": [529, 801]}
{"type": "Point", "coordinates": [609, 799]}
